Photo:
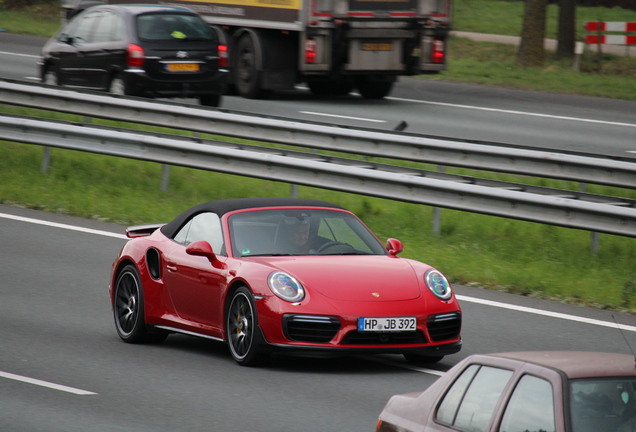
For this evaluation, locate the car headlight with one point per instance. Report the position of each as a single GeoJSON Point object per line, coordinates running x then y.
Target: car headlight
{"type": "Point", "coordinates": [438, 284]}
{"type": "Point", "coordinates": [286, 287]}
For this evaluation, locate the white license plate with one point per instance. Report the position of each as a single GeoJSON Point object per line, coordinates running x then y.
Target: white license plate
{"type": "Point", "coordinates": [387, 324]}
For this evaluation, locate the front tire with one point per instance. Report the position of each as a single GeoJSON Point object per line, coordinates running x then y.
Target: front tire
{"type": "Point", "coordinates": [50, 78]}
{"type": "Point", "coordinates": [241, 326]}
{"type": "Point", "coordinates": [128, 309]}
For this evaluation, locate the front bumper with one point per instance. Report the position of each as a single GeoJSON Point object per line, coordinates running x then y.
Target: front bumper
{"type": "Point", "coordinates": [436, 334]}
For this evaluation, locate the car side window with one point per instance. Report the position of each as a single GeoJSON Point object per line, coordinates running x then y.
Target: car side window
{"type": "Point", "coordinates": [104, 27]}
{"type": "Point", "coordinates": [84, 29]}
{"type": "Point", "coordinates": [531, 407]}
{"type": "Point", "coordinates": [204, 226]}
{"type": "Point", "coordinates": [470, 403]}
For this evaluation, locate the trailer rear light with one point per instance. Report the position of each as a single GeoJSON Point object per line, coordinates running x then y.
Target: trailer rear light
{"type": "Point", "coordinates": [438, 54]}
{"type": "Point", "coordinates": [310, 51]}
{"type": "Point", "coordinates": [223, 57]}
{"type": "Point", "coordinates": [135, 56]}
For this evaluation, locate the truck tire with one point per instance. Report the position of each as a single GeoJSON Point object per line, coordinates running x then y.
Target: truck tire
{"type": "Point", "coordinates": [247, 78]}
{"type": "Point", "coordinates": [330, 88]}
{"type": "Point", "coordinates": [374, 89]}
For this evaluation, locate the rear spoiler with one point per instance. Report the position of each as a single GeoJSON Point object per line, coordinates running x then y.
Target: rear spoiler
{"type": "Point", "coordinates": [142, 230]}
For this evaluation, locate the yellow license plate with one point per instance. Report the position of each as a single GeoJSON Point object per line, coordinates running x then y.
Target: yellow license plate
{"type": "Point", "coordinates": [182, 67]}
{"type": "Point", "coordinates": [377, 46]}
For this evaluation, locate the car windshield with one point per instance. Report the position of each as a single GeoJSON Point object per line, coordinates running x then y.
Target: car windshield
{"type": "Point", "coordinates": [170, 27]}
{"type": "Point", "coordinates": [288, 231]}
{"type": "Point", "coordinates": [603, 404]}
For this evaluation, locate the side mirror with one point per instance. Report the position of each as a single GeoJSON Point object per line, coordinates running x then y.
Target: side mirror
{"type": "Point", "coordinates": [394, 246]}
{"type": "Point", "coordinates": [203, 248]}
{"type": "Point", "coordinates": [65, 38]}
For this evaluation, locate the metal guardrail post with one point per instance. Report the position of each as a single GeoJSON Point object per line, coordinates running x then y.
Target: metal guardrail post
{"type": "Point", "coordinates": [46, 160]}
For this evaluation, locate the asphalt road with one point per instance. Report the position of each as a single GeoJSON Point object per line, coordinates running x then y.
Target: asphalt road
{"type": "Point", "coordinates": [56, 328]}
{"type": "Point", "coordinates": [519, 118]}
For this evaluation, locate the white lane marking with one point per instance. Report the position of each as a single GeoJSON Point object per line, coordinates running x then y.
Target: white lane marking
{"type": "Point", "coordinates": [342, 116]}
{"type": "Point", "coordinates": [529, 114]}
{"type": "Point", "coordinates": [63, 226]}
{"type": "Point", "coordinates": [19, 55]}
{"type": "Point", "coordinates": [404, 365]}
{"type": "Point", "coordinates": [47, 384]}
{"type": "Point", "coordinates": [547, 313]}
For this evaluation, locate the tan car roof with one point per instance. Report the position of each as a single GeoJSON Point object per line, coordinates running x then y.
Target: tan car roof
{"type": "Point", "coordinates": [579, 364]}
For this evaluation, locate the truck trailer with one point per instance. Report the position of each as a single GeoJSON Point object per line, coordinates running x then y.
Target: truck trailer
{"type": "Point", "coordinates": [333, 46]}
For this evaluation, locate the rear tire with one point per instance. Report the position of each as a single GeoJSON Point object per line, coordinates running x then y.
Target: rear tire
{"type": "Point", "coordinates": [374, 89]}
{"type": "Point", "coordinates": [128, 309]}
{"type": "Point", "coordinates": [330, 88]}
{"type": "Point", "coordinates": [210, 100]}
{"type": "Point", "coordinates": [118, 86]}
{"type": "Point", "coordinates": [248, 77]}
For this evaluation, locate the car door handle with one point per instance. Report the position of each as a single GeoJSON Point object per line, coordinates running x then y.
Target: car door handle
{"type": "Point", "coordinates": [171, 267]}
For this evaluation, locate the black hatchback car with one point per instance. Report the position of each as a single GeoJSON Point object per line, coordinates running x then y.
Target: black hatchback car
{"type": "Point", "coordinates": [138, 50]}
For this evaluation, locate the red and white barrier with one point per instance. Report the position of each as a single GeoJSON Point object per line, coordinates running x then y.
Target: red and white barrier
{"type": "Point", "coordinates": [610, 26]}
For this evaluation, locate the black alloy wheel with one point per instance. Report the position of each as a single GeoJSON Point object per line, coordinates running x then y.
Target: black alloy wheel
{"type": "Point", "coordinates": [243, 336]}
{"type": "Point", "coordinates": [128, 309]}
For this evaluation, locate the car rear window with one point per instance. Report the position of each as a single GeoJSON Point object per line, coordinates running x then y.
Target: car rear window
{"type": "Point", "coordinates": [170, 27]}
{"type": "Point", "coordinates": [603, 404]}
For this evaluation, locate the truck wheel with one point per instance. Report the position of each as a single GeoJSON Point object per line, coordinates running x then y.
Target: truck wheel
{"type": "Point", "coordinates": [374, 89]}
{"type": "Point", "coordinates": [248, 77]}
{"type": "Point", "coordinates": [330, 88]}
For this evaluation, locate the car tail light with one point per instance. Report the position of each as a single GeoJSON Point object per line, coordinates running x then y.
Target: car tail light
{"type": "Point", "coordinates": [438, 54]}
{"type": "Point", "coordinates": [310, 51]}
{"type": "Point", "coordinates": [135, 56]}
{"type": "Point", "coordinates": [223, 57]}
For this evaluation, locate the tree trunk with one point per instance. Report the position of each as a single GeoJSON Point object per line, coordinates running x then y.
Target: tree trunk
{"type": "Point", "coordinates": [531, 50]}
{"type": "Point", "coordinates": [567, 32]}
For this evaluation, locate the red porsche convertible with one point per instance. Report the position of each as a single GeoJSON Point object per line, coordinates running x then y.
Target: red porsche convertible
{"type": "Point", "coordinates": [276, 274]}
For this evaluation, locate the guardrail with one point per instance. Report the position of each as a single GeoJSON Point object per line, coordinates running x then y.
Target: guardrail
{"type": "Point", "coordinates": [397, 186]}
{"type": "Point", "coordinates": [402, 146]}
{"type": "Point", "coordinates": [615, 218]}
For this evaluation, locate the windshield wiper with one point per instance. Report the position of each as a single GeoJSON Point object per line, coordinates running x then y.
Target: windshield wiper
{"type": "Point", "coordinates": [266, 254]}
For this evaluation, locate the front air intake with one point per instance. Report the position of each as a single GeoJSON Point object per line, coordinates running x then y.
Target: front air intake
{"type": "Point", "coordinates": [310, 328]}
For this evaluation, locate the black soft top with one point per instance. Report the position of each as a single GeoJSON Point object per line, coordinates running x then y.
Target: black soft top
{"type": "Point", "coordinates": [222, 207]}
